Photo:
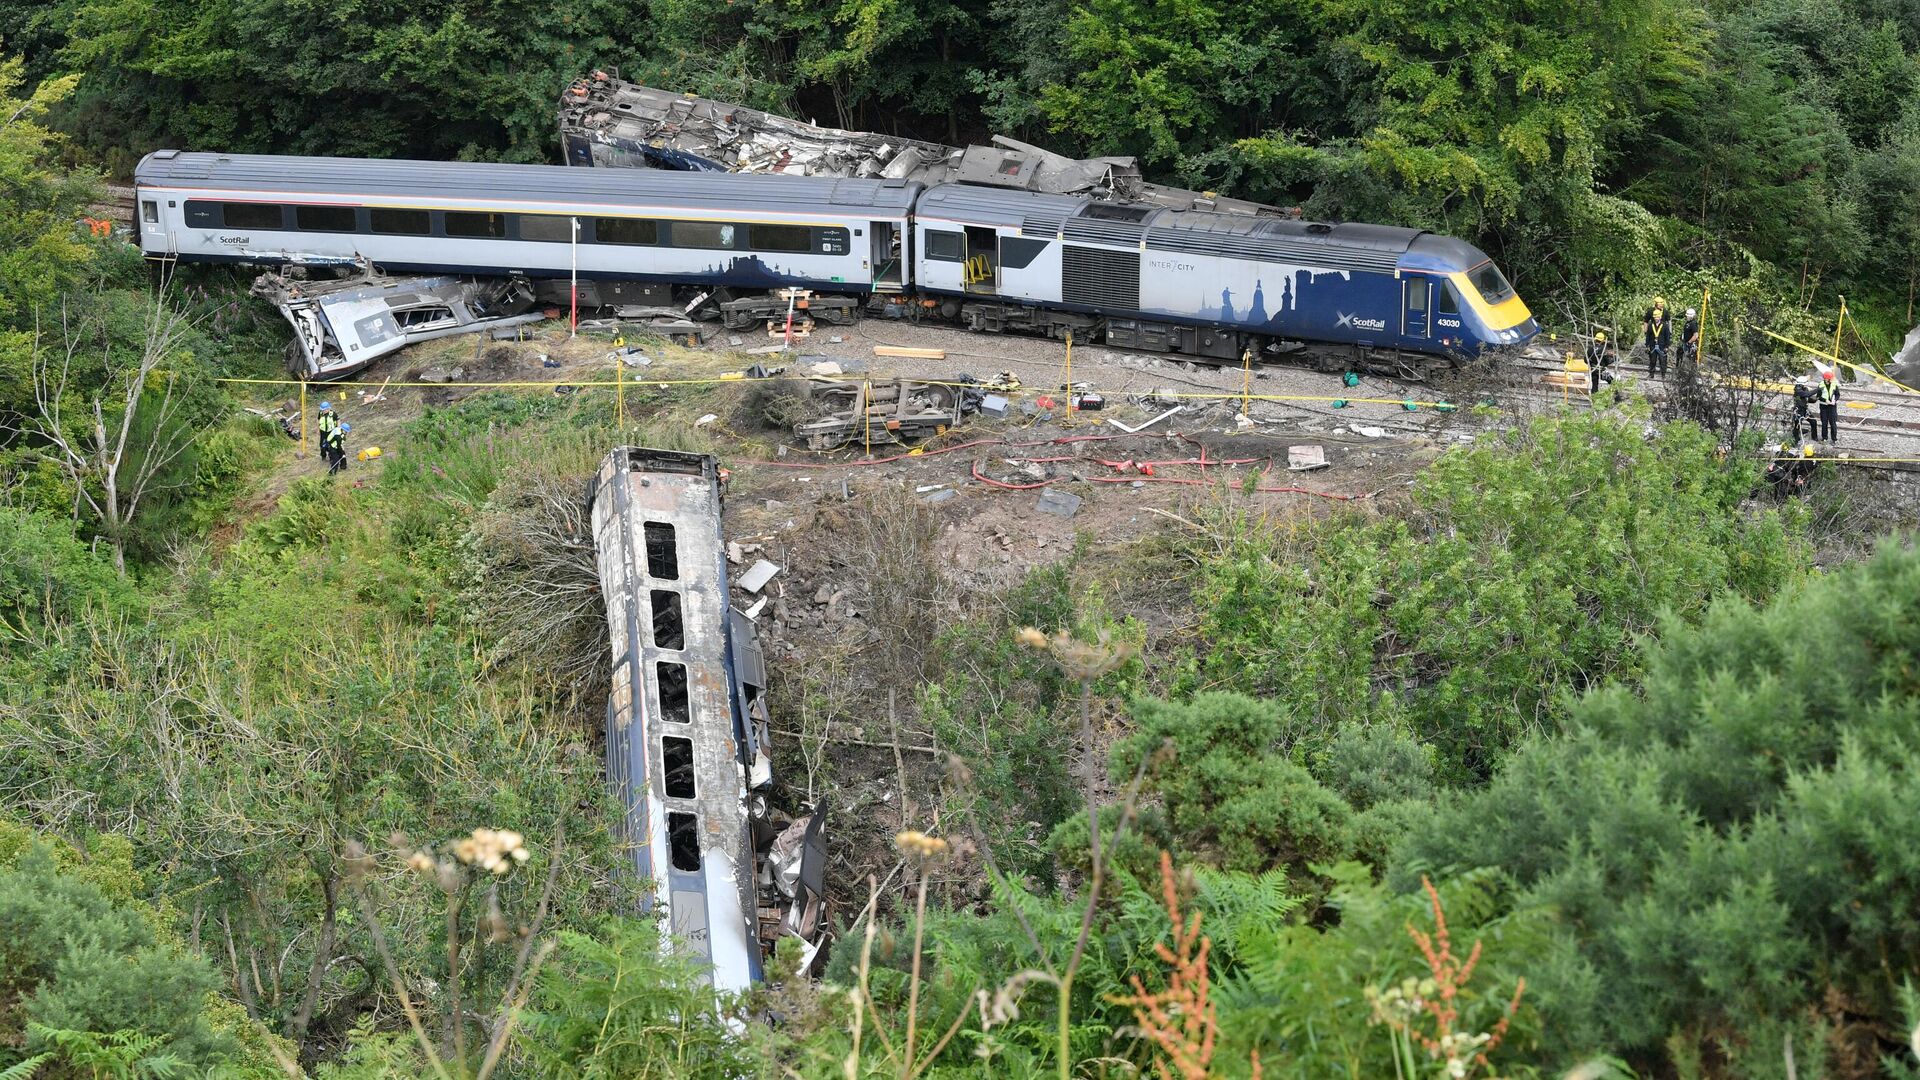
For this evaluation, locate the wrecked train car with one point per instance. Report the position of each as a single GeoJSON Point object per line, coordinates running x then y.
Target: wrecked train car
{"type": "Point", "coordinates": [608, 122]}
{"type": "Point", "coordinates": [686, 722]}
{"type": "Point", "coordinates": [342, 325]}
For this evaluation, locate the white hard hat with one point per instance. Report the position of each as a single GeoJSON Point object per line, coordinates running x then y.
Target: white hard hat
{"type": "Point", "coordinates": [1691, 313]}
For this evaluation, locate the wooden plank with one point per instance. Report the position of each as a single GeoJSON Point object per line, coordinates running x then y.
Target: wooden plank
{"type": "Point", "coordinates": [918, 354]}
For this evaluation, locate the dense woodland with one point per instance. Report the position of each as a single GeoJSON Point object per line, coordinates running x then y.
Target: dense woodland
{"type": "Point", "coordinates": [1579, 705]}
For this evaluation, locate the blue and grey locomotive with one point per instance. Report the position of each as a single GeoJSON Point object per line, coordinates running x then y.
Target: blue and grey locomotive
{"type": "Point", "coordinates": [1187, 281]}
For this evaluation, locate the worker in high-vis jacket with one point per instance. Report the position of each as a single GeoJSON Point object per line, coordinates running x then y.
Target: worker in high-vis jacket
{"type": "Point", "coordinates": [333, 444]}
{"type": "Point", "coordinates": [1829, 407]}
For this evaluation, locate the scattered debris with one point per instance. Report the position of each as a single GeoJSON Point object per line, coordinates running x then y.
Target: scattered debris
{"type": "Point", "coordinates": [439, 374]}
{"type": "Point", "coordinates": [759, 606]}
{"type": "Point", "coordinates": [911, 353]}
{"type": "Point", "coordinates": [1306, 458]}
{"type": "Point", "coordinates": [1137, 428]}
{"type": "Point", "coordinates": [705, 420]}
{"type": "Point", "coordinates": [1054, 501]}
{"type": "Point", "coordinates": [825, 367]}
{"type": "Point", "coordinates": [993, 405]}
{"type": "Point", "coordinates": [941, 496]}
{"type": "Point", "coordinates": [757, 576]}
{"type": "Point", "coordinates": [1370, 432]}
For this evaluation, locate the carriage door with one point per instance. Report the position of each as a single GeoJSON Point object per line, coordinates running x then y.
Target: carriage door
{"type": "Point", "coordinates": [889, 257]}
{"type": "Point", "coordinates": [983, 259]}
{"type": "Point", "coordinates": [1416, 292]}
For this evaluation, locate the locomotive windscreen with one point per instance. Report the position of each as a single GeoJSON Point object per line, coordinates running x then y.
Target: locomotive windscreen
{"type": "Point", "coordinates": [1492, 284]}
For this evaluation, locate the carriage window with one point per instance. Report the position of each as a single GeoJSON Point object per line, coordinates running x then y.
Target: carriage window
{"type": "Point", "coordinates": [669, 632]}
{"type": "Point", "coordinates": [780, 238]}
{"type": "Point", "coordinates": [702, 234]}
{"type": "Point", "coordinates": [945, 246]}
{"type": "Point", "coordinates": [1487, 278]}
{"type": "Point", "coordinates": [546, 227]}
{"type": "Point", "coordinates": [663, 559]}
{"type": "Point", "coordinates": [326, 218]}
{"type": "Point", "coordinates": [671, 678]}
{"type": "Point", "coordinates": [465, 224]}
{"type": "Point", "coordinates": [626, 231]}
{"type": "Point", "coordinates": [683, 841]}
{"type": "Point", "coordinates": [677, 758]}
{"type": "Point", "coordinates": [386, 219]}
{"type": "Point", "coordinates": [241, 215]}
{"type": "Point", "coordinates": [150, 211]}
{"type": "Point", "coordinates": [203, 215]}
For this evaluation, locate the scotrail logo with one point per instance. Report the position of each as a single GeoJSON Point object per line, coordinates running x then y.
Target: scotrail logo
{"type": "Point", "coordinates": [1355, 322]}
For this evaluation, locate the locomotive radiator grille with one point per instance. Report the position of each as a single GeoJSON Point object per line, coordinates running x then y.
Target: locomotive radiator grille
{"type": "Point", "coordinates": [1099, 278]}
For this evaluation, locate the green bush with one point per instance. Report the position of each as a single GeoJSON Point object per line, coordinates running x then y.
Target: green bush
{"type": "Point", "coordinates": [1730, 845]}
{"type": "Point", "coordinates": [48, 573]}
{"type": "Point", "coordinates": [76, 959]}
{"type": "Point", "coordinates": [1527, 567]}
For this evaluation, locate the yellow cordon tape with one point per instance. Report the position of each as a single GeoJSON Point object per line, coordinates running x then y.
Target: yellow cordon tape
{"type": "Point", "coordinates": [1829, 356]}
{"type": "Point", "coordinates": [735, 378]}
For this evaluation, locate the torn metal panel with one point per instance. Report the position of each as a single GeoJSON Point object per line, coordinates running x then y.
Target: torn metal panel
{"type": "Point", "coordinates": [341, 326]}
{"type": "Point", "coordinates": [606, 121]}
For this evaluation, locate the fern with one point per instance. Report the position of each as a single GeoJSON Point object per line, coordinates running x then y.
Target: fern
{"type": "Point", "coordinates": [24, 1070]}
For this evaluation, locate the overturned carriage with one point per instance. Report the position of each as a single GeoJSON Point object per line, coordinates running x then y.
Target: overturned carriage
{"type": "Point", "coordinates": [686, 722]}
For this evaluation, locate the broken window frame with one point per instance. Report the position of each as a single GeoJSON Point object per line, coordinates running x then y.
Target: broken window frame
{"type": "Point", "coordinates": [150, 211]}
{"type": "Point", "coordinates": [695, 234]}
{"type": "Point", "coordinates": [670, 683]}
{"type": "Point", "coordinates": [677, 770]}
{"type": "Point", "coordinates": [663, 550]}
{"type": "Point", "coordinates": [668, 619]}
{"type": "Point", "coordinates": [683, 841]}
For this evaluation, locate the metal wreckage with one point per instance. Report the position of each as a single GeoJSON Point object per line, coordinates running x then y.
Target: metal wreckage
{"type": "Point", "coordinates": [606, 121]}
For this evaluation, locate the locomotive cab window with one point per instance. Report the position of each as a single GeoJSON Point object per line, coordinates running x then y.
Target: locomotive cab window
{"type": "Point", "coordinates": [240, 215]}
{"type": "Point", "coordinates": [1445, 304]}
{"type": "Point", "coordinates": [546, 227]}
{"type": "Point", "coordinates": [794, 238]}
{"type": "Point", "coordinates": [702, 234]}
{"type": "Point", "coordinates": [325, 218]}
{"type": "Point", "coordinates": [608, 230]}
{"type": "Point", "coordinates": [946, 246]}
{"type": "Point", "coordinates": [477, 225]}
{"type": "Point", "coordinates": [397, 222]}
{"type": "Point", "coordinates": [1492, 284]}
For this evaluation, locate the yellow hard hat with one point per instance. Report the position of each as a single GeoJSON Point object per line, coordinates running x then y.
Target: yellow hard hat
{"type": "Point", "coordinates": [1659, 301]}
{"type": "Point", "coordinates": [1807, 450]}
{"type": "Point", "coordinates": [1601, 336]}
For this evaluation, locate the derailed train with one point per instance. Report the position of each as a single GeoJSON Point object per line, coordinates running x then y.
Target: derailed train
{"type": "Point", "coordinates": [1191, 282]}
{"type": "Point", "coordinates": [687, 723]}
